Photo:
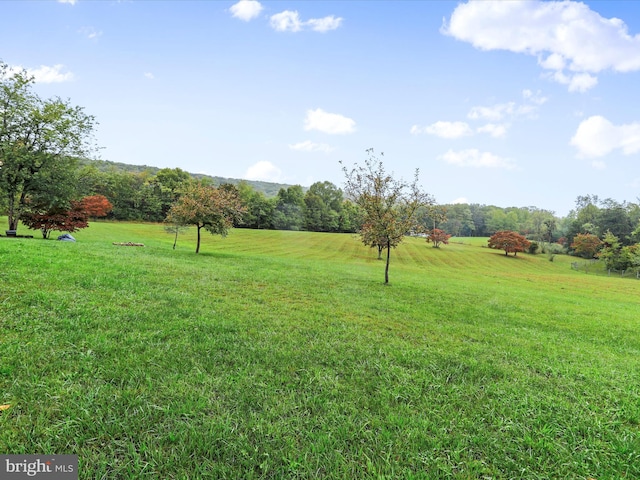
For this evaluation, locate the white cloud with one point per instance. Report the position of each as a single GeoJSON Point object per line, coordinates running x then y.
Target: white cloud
{"type": "Point", "coordinates": [70, 2]}
{"type": "Point", "coordinates": [332, 123]}
{"type": "Point", "coordinates": [46, 74]}
{"type": "Point", "coordinates": [596, 137]}
{"type": "Point", "coordinates": [476, 159]}
{"type": "Point", "coordinates": [577, 83]}
{"type": "Point", "coordinates": [553, 62]}
{"type": "Point", "coordinates": [498, 118]}
{"type": "Point", "coordinates": [501, 111]}
{"type": "Point", "coordinates": [324, 24]}
{"type": "Point", "coordinates": [264, 171]}
{"type": "Point", "coordinates": [564, 36]}
{"type": "Point", "coordinates": [493, 113]}
{"type": "Point", "coordinates": [149, 75]}
{"type": "Point", "coordinates": [582, 82]}
{"type": "Point", "coordinates": [309, 146]}
{"type": "Point", "coordinates": [534, 97]}
{"type": "Point", "coordinates": [90, 32]}
{"type": "Point", "coordinates": [246, 10]}
{"type": "Point", "coordinates": [460, 201]}
{"type": "Point", "coordinates": [447, 129]}
{"type": "Point", "coordinates": [289, 21]}
{"type": "Point", "coordinates": [493, 129]}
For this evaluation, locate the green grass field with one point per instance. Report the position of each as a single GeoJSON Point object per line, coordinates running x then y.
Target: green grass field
{"type": "Point", "coordinates": [278, 355]}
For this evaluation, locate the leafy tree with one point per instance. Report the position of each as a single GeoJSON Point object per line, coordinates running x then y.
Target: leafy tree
{"type": "Point", "coordinates": [586, 244]}
{"type": "Point", "coordinates": [479, 219]}
{"type": "Point", "coordinates": [617, 256]}
{"type": "Point", "coordinates": [37, 137]}
{"type": "Point", "coordinates": [501, 220]}
{"type": "Point", "coordinates": [96, 206]}
{"type": "Point", "coordinates": [635, 235]}
{"type": "Point", "coordinates": [323, 206]}
{"type": "Point", "coordinates": [537, 223]}
{"type": "Point", "coordinates": [388, 205]}
{"type": "Point", "coordinates": [289, 211]}
{"type": "Point", "coordinates": [57, 219]}
{"type": "Point", "coordinates": [350, 217]}
{"type": "Point", "coordinates": [259, 208]}
{"type": "Point", "coordinates": [437, 236]}
{"type": "Point", "coordinates": [52, 189]}
{"type": "Point", "coordinates": [214, 209]}
{"type": "Point", "coordinates": [549, 228]}
{"type": "Point", "coordinates": [509, 241]}
{"type": "Point", "coordinates": [459, 221]}
{"type": "Point", "coordinates": [166, 186]}
{"type": "Point", "coordinates": [614, 217]}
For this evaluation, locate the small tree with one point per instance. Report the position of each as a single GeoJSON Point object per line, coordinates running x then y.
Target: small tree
{"type": "Point", "coordinates": [96, 206]}
{"type": "Point", "coordinates": [57, 219]}
{"type": "Point", "coordinates": [586, 245]}
{"type": "Point", "coordinates": [388, 205]}
{"type": "Point", "coordinates": [437, 236]}
{"type": "Point", "coordinates": [175, 230]}
{"type": "Point", "coordinates": [214, 209]}
{"type": "Point", "coordinates": [510, 242]}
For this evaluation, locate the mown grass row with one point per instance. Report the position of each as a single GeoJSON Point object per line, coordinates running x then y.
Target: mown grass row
{"type": "Point", "coordinates": [283, 355]}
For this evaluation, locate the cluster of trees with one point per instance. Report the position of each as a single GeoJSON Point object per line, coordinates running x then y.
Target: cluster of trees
{"type": "Point", "coordinates": [615, 254]}
{"type": "Point", "coordinates": [596, 217]}
{"type": "Point", "coordinates": [475, 220]}
{"type": "Point", "coordinates": [146, 196]}
{"type": "Point", "coordinates": [39, 142]}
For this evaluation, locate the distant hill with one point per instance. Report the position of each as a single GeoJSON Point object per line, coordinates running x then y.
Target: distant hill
{"type": "Point", "coordinates": [270, 189]}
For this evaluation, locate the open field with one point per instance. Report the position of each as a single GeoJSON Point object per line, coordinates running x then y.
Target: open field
{"type": "Point", "coordinates": [278, 354]}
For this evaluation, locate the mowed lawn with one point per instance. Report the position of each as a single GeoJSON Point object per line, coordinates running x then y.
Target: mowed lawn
{"type": "Point", "coordinates": [283, 355]}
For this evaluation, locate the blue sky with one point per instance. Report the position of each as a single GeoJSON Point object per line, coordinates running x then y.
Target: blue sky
{"type": "Point", "coordinates": [503, 103]}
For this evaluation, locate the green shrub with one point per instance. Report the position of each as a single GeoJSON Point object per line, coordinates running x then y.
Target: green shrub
{"type": "Point", "coordinates": [554, 248]}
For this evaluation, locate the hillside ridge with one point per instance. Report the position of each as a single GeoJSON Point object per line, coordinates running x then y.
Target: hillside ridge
{"type": "Point", "coordinates": [270, 189]}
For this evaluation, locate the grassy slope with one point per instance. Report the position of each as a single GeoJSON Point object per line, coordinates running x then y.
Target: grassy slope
{"type": "Point", "coordinates": [282, 355]}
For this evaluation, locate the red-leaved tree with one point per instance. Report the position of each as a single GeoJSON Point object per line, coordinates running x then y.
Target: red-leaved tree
{"type": "Point", "coordinates": [96, 206]}
{"type": "Point", "coordinates": [586, 244]}
{"type": "Point", "coordinates": [510, 242]}
{"type": "Point", "coordinates": [437, 236]}
{"type": "Point", "coordinates": [57, 219]}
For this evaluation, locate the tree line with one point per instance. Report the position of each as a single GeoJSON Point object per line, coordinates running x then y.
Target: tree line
{"type": "Point", "coordinates": [324, 207]}
{"type": "Point", "coordinates": [46, 183]}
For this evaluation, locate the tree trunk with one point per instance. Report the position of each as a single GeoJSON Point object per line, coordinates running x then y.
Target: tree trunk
{"type": "Point", "coordinates": [198, 244]}
{"type": "Point", "coordinates": [13, 219]}
{"type": "Point", "coordinates": [386, 268]}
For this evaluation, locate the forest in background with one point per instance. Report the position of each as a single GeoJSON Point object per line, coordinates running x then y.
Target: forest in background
{"type": "Point", "coordinates": [141, 193]}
